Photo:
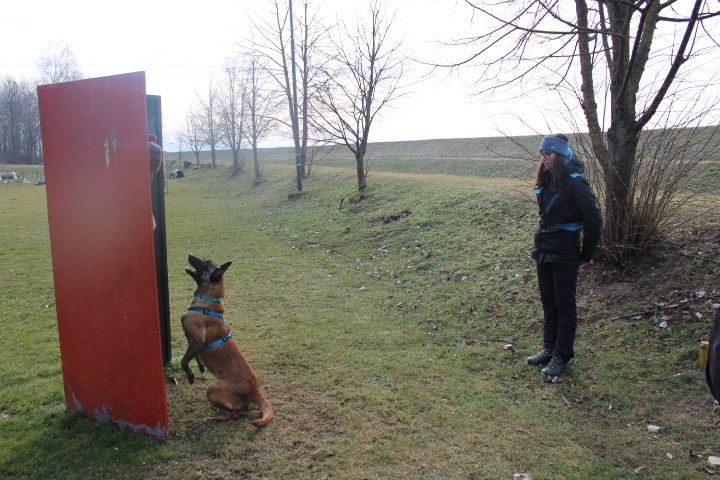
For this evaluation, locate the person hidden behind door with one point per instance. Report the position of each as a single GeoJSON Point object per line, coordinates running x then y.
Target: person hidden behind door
{"type": "Point", "coordinates": [155, 154]}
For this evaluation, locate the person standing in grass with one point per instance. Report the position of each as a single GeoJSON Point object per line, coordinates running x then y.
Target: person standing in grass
{"type": "Point", "coordinates": [566, 236]}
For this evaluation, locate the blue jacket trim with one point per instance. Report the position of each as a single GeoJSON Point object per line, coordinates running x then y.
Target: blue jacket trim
{"type": "Point", "coordinates": [206, 311]}
{"type": "Point", "coordinates": [550, 203]}
{"type": "Point", "coordinates": [539, 190]}
{"type": "Point", "coordinates": [570, 227]}
{"type": "Point", "coordinates": [217, 342]}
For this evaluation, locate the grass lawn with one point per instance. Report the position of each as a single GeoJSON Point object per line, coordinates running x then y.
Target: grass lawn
{"type": "Point", "coordinates": [390, 332]}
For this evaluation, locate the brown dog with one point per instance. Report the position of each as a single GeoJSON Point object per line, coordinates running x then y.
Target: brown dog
{"type": "Point", "coordinates": [210, 342]}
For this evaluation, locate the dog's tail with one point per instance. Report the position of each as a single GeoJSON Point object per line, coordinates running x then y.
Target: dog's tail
{"type": "Point", "coordinates": [266, 409]}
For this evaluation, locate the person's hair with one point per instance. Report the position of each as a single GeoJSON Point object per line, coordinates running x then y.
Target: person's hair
{"type": "Point", "coordinates": [556, 176]}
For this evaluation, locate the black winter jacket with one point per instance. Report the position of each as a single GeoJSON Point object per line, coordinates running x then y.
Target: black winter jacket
{"type": "Point", "coordinates": [564, 215]}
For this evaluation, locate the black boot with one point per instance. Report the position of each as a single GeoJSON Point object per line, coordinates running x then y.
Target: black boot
{"type": "Point", "coordinates": [541, 358]}
{"type": "Point", "coordinates": [556, 367]}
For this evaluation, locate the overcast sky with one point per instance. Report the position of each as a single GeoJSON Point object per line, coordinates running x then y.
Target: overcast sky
{"type": "Point", "coordinates": [179, 44]}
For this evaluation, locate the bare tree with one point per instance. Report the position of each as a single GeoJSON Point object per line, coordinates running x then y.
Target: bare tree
{"type": "Point", "coordinates": [210, 109]}
{"type": "Point", "coordinates": [363, 77]}
{"type": "Point", "coordinates": [273, 43]}
{"type": "Point", "coordinates": [32, 139]}
{"type": "Point", "coordinates": [312, 34]}
{"type": "Point", "coordinates": [261, 108]}
{"type": "Point", "coordinates": [620, 61]}
{"type": "Point", "coordinates": [232, 94]}
{"type": "Point", "coordinates": [58, 64]}
{"type": "Point", "coordinates": [193, 135]}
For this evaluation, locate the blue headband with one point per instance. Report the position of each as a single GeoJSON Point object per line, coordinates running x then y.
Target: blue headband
{"type": "Point", "coordinates": [557, 145]}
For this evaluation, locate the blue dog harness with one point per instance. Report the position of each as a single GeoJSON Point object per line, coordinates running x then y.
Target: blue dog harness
{"type": "Point", "coordinates": [206, 311]}
{"type": "Point", "coordinates": [215, 313]}
{"type": "Point", "coordinates": [217, 342]}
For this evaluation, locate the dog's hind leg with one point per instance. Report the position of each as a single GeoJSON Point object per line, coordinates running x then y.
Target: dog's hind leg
{"type": "Point", "coordinates": [219, 394]}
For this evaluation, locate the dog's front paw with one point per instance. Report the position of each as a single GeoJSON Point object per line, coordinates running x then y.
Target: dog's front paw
{"type": "Point", "coordinates": [191, 378]}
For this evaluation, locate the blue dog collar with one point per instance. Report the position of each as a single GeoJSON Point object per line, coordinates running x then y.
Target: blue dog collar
{"type": "Point", "coordinates": [209, 299]}
{"type": "Point", "coordinates": [217, 342]}
{"type": "Point", "coordinates": [206, 311]}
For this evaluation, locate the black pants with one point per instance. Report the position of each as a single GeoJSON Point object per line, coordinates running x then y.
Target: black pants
{"type": "Point", "coordinates": [558, 283]}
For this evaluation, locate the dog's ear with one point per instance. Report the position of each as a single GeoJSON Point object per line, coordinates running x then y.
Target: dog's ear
{"type": "Point", "coordinates": [217, 274]}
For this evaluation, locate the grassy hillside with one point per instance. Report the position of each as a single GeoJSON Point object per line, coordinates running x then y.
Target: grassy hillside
{"type": "Point", "coordinates": [390, 334]}
{"type": "Point", "coordinates": [452, 148]}
{"type": "Point", "coordinates": [491, 157]}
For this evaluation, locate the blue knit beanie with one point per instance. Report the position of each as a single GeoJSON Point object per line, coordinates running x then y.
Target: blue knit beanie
{"type": "Point", "coordinates": [557, 145]}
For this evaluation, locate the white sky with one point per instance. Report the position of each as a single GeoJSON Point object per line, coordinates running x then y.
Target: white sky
{"type": "Point", "coordinates": [178, 43]}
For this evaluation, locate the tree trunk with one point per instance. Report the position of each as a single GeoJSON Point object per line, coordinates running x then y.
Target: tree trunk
{"type": "Point", "coordinates": [303, 158]}
{"type": "Point", "coordinates": [360, 164]}
{"type": "Point", "coordinates": [256, 163]}
{"type": "Point", "coordinates": [620, 229]}
{"type": "Point", "coordinates": [236, 161]}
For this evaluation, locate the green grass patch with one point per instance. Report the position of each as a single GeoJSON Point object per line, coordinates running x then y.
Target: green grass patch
{"type": "Point", "coordinates": [377, 324]}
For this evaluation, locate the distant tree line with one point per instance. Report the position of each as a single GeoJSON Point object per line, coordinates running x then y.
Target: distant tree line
{"type": "Point", "coordinates": [19, 123]}
{"type": "Point", "coordinates": [20, 141]}
{"type": "Point", "coordinates": [303, 77]}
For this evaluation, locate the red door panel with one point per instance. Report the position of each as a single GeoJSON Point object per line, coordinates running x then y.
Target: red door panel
{"type": "Point", "coordinates": [94, 135]}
